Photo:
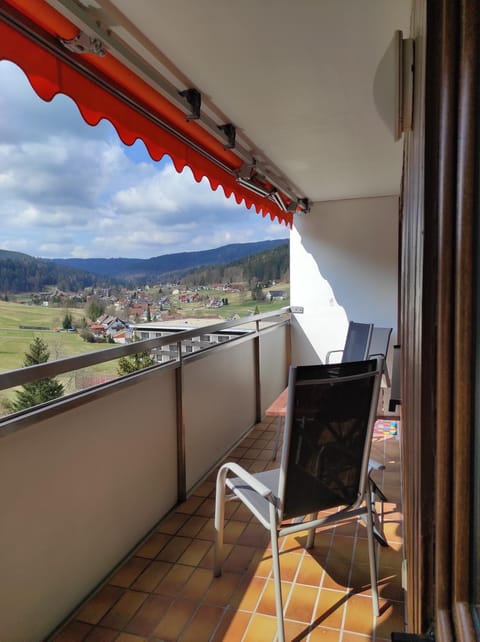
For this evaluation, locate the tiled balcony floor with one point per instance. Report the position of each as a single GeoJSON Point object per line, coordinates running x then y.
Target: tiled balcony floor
{"type": "Point", "coordinates": [166, 591]}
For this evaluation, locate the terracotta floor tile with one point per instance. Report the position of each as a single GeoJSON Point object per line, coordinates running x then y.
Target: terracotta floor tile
{"type": "Point", "coordinates": [149, 615]}
{"type": "Point", "coordinates": [390, 559]}
{"type": "Point", "coordinates": [172, 523]}
{"type": "Point", "coordinates": [353, 637]}
{"type": "Point", "coordinates": [337, 573]}
{"type": "Point", "coordinates": [297, 631]}
{"type": "Point", "coordinates": [221, 589]}
{"type": "Point", "coordinates": [266, 604]}
{"type": "Point", "coordinates": [195, 552]}
{"type": "Point", "coordinates": [232, 531]}
{"type": "Point", "coordinates": [329, 609]}
{"type": "Point", "coordinates": [197, 584]}
{"type": "Point", "coordinates": [95, 609]}
{"type": "Point", "coordinates": [390, 587]}
{"type": "Point", "coordinates": [289, 563]}
{"type": "Point", "coordinates": [310, 571]}
{"type": "Point", "coordinates": [101, 634]}
{"type": "Point", "coordinates": [129, 572]}
{"type": "Point", "coordinates": [230, 509]}
{"type": "Point", "coordinates": [175, 620]}
{"type": "Point", "coordinates": [208, 529]}
{"type": "Point", "coordinates": [391, 619]}
{"type": "Point", "coordinates": [247, 595]}
{"type": "Point", "coordinates": [243, 514]}
{"type": "Point", "coordinates": [207, 559]}
{"type": "Point", "coordinates": [263, 567]}
{"type": "Point", "coordinates": [190, 506]}
{"type": "Point", "coordinates": [152, 547]}
{"type": "Point", "coordinates": [360, 578]}
{"type": "Point", "coordinates": [361, 551]}
{"type": "Point", "coordinates": [301, 603]}
{"type": "Point", "coordinates": [123, 611]}
{"type": "Point", "coordinates": [206, 489]}
{"type": "Point", "coordinates": [193, 526]}
{"type": "Point", "coordinates": [359, 615]}
{"type": "Point", "coordinates": [202, 625]}
{"type": "Point", "coordinates": [232, 626]}
{"type": "Point", "coordinates": [174, 549]}
{"type": "Point", "coordinates": [74, 632]}
{"type": "Point", "coordinates": [347, 528]}
{"type": "Point", "coordinates": [167, 592]}
{"type": "Point", "coordinates": [151, 576]}
{"type": "Point", "coordinates": [174, 581]}
{"type": "Point", "coordinates": [239, 558]}
{"type": "Point", "coordinates": [261, 627]}
{"type": "Point", "coordinates": [207, 508]}
{"type": "Point", "coordinates": [321, 634]}
{"type": "Point", "coordinates": [254, 534]}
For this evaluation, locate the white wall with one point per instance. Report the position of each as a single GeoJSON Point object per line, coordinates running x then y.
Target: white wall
{"type": "Point", "coordinates": [343, 267]}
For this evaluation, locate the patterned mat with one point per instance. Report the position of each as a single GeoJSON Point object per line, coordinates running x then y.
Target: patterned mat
{"type": "Point", "coordinates": [385, 427]}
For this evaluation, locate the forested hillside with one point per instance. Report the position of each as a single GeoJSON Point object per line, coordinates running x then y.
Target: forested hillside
{"type": "Point", "coordinates": [169, 266]}
{"type": "Point", "coordinates": [271, 265]}
{"type": "Point", "coordinates": [23, 273]}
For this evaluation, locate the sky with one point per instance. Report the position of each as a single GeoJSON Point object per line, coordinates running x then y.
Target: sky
{"type": "Point", "coordinates": [71, 190]}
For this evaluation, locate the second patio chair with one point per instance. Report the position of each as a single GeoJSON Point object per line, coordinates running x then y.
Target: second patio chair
{"type": "Point", "coordinates": [357, 343]}
{"type": "Point", "coordinates": [325, 463]}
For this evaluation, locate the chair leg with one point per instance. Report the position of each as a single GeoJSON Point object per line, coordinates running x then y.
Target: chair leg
{"type": "Point", "coordinates": [219, 522]}
{"type": "Point", "coordinates": [276, 576]}
{"type": "Point", "coordinates": [377, 519]}
{"type": "Point", "coordinates": [311, 533]}
{"type": "Point", "coordinates": [371, 555]}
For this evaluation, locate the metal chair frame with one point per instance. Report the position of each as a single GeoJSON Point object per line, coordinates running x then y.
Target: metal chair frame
{"type": "Point", "coordinates": [264, 493]}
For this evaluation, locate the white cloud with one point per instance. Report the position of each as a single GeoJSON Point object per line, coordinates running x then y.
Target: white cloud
{"type": "Point", "coordinates": [67, 189]}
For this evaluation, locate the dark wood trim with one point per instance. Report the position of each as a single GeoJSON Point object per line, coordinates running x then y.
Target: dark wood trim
{"type": "Point", "coordinates": [438, 352]}
{"type": "Point", "coordinates": [442, 64]}
{"type": "Point", "coordinates": [463, 345]}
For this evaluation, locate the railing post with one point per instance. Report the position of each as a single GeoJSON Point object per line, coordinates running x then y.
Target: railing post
{"type": "Point", "coordinates": [258, 385]}
{"type": "Point", "coordinates": [181, 464]}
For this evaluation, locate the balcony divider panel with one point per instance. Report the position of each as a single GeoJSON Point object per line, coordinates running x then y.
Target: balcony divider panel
{"type": "Point", "coordinates": [79, 489]}
{"type": "Point", "coordinates": [219, 405]}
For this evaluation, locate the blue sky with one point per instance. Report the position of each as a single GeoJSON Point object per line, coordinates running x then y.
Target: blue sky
{"type": "Point", "coordinates": [71, 190]}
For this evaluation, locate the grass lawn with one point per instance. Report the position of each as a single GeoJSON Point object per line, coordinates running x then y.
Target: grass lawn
{"type": "Point", "coordinates": [15, 342]}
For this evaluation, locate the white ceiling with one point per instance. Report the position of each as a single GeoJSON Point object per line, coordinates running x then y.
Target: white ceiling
{"type": "Point", "coordinates": [301, 78]}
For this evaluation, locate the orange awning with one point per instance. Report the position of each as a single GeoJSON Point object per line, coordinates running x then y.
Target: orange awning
{"type": "Point", "coordinates": [102, 87]}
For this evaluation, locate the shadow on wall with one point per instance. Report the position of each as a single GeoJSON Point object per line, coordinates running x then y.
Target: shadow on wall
{"type": "Point", "coordinates": [360, 265]}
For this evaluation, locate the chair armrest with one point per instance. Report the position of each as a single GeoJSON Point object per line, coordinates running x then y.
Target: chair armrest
{"type": "Point", "coordinates": [248, 478]}
{"type": "Point", "coordinates": [327, 356]}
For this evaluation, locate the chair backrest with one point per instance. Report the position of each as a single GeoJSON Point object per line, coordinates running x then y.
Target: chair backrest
{"type": "Point", "coordinates": [328, 430]}
{"type": "Point", "coordinates": [357, 342]}
{"type": "Point", "coordinates": [379, 342]}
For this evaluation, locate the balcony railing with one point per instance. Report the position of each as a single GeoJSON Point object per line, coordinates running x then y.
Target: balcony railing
{"type": "Point", "coordinates": [85, 477]}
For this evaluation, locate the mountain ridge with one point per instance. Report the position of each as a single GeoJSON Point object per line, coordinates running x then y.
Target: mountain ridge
{"type": "Point", "coordinates": [168, 264]}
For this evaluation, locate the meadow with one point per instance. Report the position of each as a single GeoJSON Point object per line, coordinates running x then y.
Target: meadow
{"type": "Point", "coordinates": [21, 323]}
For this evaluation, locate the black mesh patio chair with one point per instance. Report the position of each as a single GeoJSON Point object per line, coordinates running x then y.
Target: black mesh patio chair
{"type": "Point", "coordinates": [357, 343]}
{"type": "Point", "coordinates": [325, 463]}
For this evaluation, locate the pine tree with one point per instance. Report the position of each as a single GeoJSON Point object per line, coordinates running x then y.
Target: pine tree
{"type": "Point", "coordinates": [40, 391]}
{"type": "Point", "coordinates": [138, 361]}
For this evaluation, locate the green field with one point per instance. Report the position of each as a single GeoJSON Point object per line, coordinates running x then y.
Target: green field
{"type": "Point", "coordinates": [15, 341]}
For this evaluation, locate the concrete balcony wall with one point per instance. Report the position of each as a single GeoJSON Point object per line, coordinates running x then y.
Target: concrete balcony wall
{"type": "Point", "coordinates": [274, 362]}
{"type": "Point", "coordinates": [219, 405]}
{"type": "Point", "coordinates": [343, 267]}
{"type": "Point", "coordinates": [78, 490]}
{"type": "Point", "coordinates": [82, 481]}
